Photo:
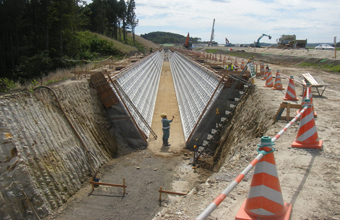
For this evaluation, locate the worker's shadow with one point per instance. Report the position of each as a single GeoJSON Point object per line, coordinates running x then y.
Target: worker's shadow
{"type": "Point", "coordinates": [314, 153]}
{"type": "Point", "coordinates": [165, 149]}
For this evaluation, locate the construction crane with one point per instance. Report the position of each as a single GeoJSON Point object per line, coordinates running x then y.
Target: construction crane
{"type": "Point", "coordinates": [187, 44]}
{"type": "Point", "coordinates": [257, 43]}
{"type": "Point", "coordinates": [212, 34]}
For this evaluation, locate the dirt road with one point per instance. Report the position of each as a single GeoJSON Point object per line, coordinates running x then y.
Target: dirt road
{"type": "Point", "coordinates": [166, 102]}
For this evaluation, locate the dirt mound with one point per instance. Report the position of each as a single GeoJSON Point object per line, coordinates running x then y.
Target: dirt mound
{"type": "Point", "coordinates": [279, 59]}
{"type": "Point", "coordinates": [145, 42]}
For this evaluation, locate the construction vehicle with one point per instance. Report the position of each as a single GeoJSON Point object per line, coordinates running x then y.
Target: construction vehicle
{"type": "Point", "coordinates": [257, 43]}
{"type": "Point", "coordinates": [289, 41]}
{"type": "Point", "coordinates": [188, 44]}
{"type": "Point", "coordinates": [227, 43]}
{"type": "Point", "coordinates": [212, 35]}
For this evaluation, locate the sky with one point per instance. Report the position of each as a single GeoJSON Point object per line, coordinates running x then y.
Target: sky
{"type": "Point", "coordinates": [242, 21]}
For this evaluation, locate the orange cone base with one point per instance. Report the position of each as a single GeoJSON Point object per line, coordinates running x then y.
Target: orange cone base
{"type": "Point", "coordinates": [315, 115]}
{"type": "Point", "coordinates": [267, 86]}
{"type": "Point", "coordinates": [296, 99]}
{"type": "Point", "coordinates": [243, 215]}
{"type": "Point", "coordinates": [278, 89]}
{"type": "Point", "coordinates": [316, 145]}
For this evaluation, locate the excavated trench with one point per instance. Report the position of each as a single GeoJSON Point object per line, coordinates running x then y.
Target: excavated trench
{"type": "Point", "coordinates": [48, 153]}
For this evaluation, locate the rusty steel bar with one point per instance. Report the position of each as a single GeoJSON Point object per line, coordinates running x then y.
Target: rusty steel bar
{"type": "Point", "coordinates": [107, 184]}
{"type": "Point", "coordinates": [169, 192]}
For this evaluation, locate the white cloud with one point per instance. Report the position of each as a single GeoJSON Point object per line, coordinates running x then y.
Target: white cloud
{"type": "Point", "coordinates": [241, 21]}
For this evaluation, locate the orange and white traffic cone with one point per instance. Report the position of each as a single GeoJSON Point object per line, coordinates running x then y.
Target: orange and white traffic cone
{"type": "Point", "coordinates": [278, 82]}
{"type": "Point", "coordinates": [262, 69]}
{"type": "Point", "coordinates": [290, 93]}
{"type": "Point", "coordinates": [269, 81]}
{"type": "Point", "coordinates": [265, 73]}
{"type": "Point", "coordinates": [236, 63]}
{"type": "Point", "coordinates": [310, 97]}
{"type": "Point", "coordinates": [265, 199]}
{"type": "Point", "coordinates": [307, 136]}
{"type": "Point", "coordinates": [242, 64]}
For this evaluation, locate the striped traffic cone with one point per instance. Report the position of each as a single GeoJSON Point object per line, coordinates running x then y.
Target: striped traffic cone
{"type": "Point", "coordinates": [262, 69]}
{"type": "Point", "coordinates": [310, 97]}
{"type": "Point", "coordinates": [290, 94]}
{"type": "Point", "coordinates": [269, 81]}
{"type": "Point", "coordinates": [265, 73]}
{"type": "Point", "coordinates": [242, 64]}
{"type": "Point", "coordinates": [278, 82]}
{"type": "Point", "coordinates": [307, 136]}
{"type": "Point", "coordinates": [265, 199]}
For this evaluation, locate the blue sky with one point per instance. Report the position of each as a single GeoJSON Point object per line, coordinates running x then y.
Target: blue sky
{"type": "Point", "coordinates": [242, 21]}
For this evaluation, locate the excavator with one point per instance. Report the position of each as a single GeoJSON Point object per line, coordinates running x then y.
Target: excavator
{"type": "Point", "coordinates": [257, 43]}
{"type": "Point", "coordinates": [188, 44]}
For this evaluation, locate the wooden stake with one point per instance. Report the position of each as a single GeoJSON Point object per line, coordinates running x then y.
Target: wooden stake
{"type": "Point", "coordinates": [92, 183]}
{"type": "Point", "coordinates": [160, 194]}
{"type": "Point", "coordinates": [124, 185]}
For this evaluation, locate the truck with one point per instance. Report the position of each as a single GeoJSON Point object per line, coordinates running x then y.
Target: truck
{"type": "Point", "coordinates": [289, 41]}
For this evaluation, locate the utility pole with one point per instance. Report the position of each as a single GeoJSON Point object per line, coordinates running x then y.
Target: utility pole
{"type": "Point", "coordinates": [335, 47]}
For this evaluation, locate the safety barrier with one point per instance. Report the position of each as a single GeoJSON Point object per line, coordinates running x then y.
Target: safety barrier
{"type": "Point", "coordinates": [93, 183]}
{"type": "Point", "coordinates": [194, 88]}
{"type": "Point", "coordinates": [244, 172]}
{"type": "Point", "coordinates": [140, 83]}
{"type": "Point", "coordinates": [169, 192]}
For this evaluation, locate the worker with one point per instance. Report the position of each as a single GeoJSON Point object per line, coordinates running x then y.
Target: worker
{"type": "Point", "coordinates": [267, 68]}
{"type": "Point", "coordinates": [166, 128]}
{"type": "Point", "coordinates": [150, 49]}
{"type": "Point", "coordinates": [230, 66]}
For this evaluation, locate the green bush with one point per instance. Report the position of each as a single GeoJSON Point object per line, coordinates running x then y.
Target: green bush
{"type": "Point", "coordinates": [6, 84]}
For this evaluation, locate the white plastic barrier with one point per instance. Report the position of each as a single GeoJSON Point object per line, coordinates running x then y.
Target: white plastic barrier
{"type": "Point", "coordinates": [194, 87]}
{"type": "Point", "coordinates": [140, 83]}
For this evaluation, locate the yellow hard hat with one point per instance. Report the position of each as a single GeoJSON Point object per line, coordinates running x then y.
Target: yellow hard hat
{"type": "Point", "coordinates": [163, 115]}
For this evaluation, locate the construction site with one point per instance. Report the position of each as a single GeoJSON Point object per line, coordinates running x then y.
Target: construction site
{"type": "Point", "coordinates": [258, 142]}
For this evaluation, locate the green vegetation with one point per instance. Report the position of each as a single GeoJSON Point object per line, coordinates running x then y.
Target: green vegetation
{"type": "Point", "coordinates": [160, 37]}
{"type": "Point", "coordinates": [213, 51]}
{"type": "Point", "coordinates": [322, 66]}
{"type": "Point", "coordinates": [241, 55]}
{"type": "Point", "coordinates": [38, 37]}
{"type": "Point", "coordinates": [6, 84]}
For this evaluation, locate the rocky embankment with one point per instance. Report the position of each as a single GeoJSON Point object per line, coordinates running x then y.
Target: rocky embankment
{"type": "Point", "coordinates": [49, 149]}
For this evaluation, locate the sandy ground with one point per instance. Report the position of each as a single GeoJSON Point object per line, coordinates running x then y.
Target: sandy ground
{"type": "Point", "coordinates": [311, 53]}
{"type": "Point", "coordinates": [166, 102]}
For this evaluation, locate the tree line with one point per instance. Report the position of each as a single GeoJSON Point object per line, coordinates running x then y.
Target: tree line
{"type": "Point", "coordinates": [38, 36]}
{"type": "Point", "coordinates": [161, 37]}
